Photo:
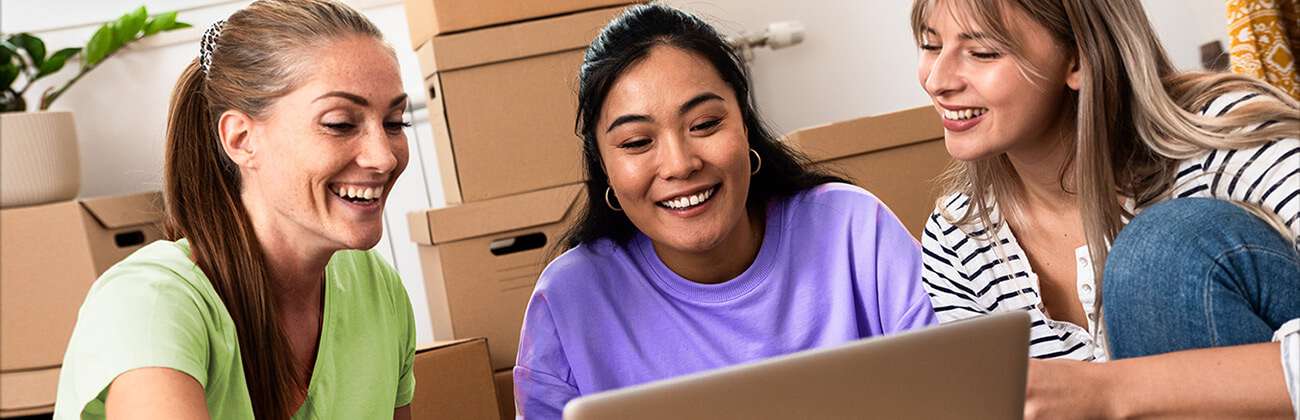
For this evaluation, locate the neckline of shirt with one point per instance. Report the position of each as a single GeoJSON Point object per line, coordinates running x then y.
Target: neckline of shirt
{"type": "Point", "coordinates": [333, 280]}
{"type": "Point", "coordinates": [669, 282]}
{"type": "Point", "coordinates": [1093, 338]}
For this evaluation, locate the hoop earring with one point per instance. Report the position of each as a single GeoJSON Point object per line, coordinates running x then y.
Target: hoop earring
{"type": "Point", "coordinates": [610, 203]}
{"type": "Point", "coordinates": [758, 165]}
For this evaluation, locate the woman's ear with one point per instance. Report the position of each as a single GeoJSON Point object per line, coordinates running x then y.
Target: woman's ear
{"type": "Point", "coordinates": [1074, 79]}
{"type": "Point", "coordinates": [235, 129]}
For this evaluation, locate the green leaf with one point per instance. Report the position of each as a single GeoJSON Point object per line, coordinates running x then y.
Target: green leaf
{"type": "Point", "coordinates": [34, 46]}
{"type": "Point", "coordinates": [118, 39]}
{"type": "Point", "coordinates": [8, 73]}
{"type": "Point", "coordinates": [7, 52]}
{"type": "Point", "coordinates": [129, 25]}
{"type": "Point", "coordinates": [159, 23]}
{"type": "Point", "coordinates": [178, 25]}
{"type": "Point", "coordinates": [56, 61]}
{"type": "Point", "coordinates": [99, 46]}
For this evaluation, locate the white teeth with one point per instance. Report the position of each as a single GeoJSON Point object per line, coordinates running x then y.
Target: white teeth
{"type": "Point", "coordinates": [964, 114]}
{"type": "Point", "coordinates": [362, 193]}
{"type": "Point", "coordinates": [688, 201]}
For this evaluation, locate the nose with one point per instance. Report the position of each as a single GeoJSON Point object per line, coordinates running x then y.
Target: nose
{"type": "Point", "coordinates": [677, 158]}
{"type": "Point", "coordinates": [378, 152]}
{"type": "Point", "coordinates": [943, 75]}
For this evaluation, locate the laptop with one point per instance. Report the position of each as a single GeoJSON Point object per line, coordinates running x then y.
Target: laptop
{"type": "Point", "coordinates": [972, 369]}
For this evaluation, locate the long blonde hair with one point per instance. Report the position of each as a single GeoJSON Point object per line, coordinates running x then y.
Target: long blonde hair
{"type": "Point", "coordinates": [1134, 115]}
{"type": "Point", "coordinates": [259, 57]}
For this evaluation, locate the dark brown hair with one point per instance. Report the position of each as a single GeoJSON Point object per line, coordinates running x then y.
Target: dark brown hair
{"type": "Point", "coordinates": [626, 41]}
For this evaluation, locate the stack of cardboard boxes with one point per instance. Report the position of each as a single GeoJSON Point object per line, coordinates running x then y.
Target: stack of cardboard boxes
{"type": "Point", "coordinates": [502, 88]}
{"type": "Point", "coordinates": [49, 256]}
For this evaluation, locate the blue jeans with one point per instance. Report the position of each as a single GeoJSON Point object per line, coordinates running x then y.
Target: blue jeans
{"type": "Point", "coordinates": [1193, 273]}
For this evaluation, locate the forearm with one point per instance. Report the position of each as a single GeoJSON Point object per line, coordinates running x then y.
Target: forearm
{"type": "Point", "coordinates": [1226, 382]}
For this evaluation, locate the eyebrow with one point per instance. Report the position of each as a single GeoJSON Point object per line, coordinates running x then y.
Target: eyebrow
{"type": "Point", "coordinates": [697, 100]}
{"type": "Point", "coordinates": [629, 118]}
{"type": "Point", "coordinates": [357, 99]}
{"type": "Point", "coordinates": [963, 36]}
{"type": "Point", "coordinates": [686, 107]}
{"type": "Point", "coordinates": [399, 100]}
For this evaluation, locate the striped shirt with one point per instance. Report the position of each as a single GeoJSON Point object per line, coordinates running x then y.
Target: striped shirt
{"type": "Point", "coordinates": [965, 276]}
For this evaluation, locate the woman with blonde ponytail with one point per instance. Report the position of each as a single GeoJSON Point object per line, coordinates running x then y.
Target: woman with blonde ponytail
{"type": "Point", "coordinates": [1138, 214]}
{"type": "Point", "coordinates": [283, 137]}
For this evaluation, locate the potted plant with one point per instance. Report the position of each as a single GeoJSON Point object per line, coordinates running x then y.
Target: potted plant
{"type": "Point", "coordinates": [39, 162]}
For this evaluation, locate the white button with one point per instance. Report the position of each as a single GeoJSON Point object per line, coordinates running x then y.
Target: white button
{"type": "Point", "coordinates": [1083, 262]}
{"type": "Point", "coordinates": [1092, 317]}
{"type": "Point", "coordinates": [1086, 289]}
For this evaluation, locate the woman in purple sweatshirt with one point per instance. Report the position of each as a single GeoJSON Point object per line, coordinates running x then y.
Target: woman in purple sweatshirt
{"type": "Point", "coordinates": [705, 242]}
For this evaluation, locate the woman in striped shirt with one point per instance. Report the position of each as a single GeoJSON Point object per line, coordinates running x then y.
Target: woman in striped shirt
{"type": "Point", "coordinates": [1077, 143]}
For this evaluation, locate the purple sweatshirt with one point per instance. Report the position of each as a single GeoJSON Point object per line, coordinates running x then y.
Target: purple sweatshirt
{"type": "Point", "coordinates": [835, 266]}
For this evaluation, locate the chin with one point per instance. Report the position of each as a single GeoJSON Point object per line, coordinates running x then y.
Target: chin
{"type": "Point", "coordinates": [698, 243]}
{"type": "Point", "coordinates": [966, 150]}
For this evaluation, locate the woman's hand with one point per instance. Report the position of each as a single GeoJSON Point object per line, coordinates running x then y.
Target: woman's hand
{"type": "Point", "coordinates": [1067, 389]}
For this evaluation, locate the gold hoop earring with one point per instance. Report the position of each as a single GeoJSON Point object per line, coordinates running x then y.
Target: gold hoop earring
{"type": "Point", "coordinates": [610, 203]}
{"type": "Point", "coordinates": [759, 164]}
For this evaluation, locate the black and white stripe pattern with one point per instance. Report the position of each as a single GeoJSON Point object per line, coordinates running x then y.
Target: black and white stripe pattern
{"type": "Point", "coordinates": [1267, 175]}
{"type": "Point", "coordinates": [968, 277]}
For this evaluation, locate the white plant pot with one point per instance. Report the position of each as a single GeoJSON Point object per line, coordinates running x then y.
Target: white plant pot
{"type": "Point", "coordinates": [39, 162]}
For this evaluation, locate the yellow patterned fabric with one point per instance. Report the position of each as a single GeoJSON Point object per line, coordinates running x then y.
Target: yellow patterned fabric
{"type": "Point", "coordinates": [1265, 36]}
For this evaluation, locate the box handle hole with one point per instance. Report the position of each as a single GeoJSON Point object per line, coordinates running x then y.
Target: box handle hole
{"type": "Point", "coordinates": [517, 244]}
{"type": "Point", "coordinates": [433, 93]}
{"type": "Point", "coordinates": [129, 239]}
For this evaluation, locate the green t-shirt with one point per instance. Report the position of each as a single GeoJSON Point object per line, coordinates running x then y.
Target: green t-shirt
{"type": "Point", "coordinates": [157, 309]}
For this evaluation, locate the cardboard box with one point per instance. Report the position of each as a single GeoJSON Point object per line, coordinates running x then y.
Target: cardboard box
{"type": "Point", "coordinates": [481, 260]}
{"type": "Point", "coordinates": [502, 103]}
{"type": "Point", "coordinates": [453, 380]}
{"type": "Point", "coordinates": [49, 256]}
{"type": "Point", "coordinates": [505, 382]}
{"type": "Point", "coordinates": [428, 18]}
{"type": "Point", "coordinates": [896, 156]}
{"type": "Point", "coordinates": [25, 393]}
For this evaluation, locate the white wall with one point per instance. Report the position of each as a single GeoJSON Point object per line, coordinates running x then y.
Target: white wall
{"type": "Point", "coordinates": [1184, 25]}
{"type": "Point", "coordinates": [857, 59]}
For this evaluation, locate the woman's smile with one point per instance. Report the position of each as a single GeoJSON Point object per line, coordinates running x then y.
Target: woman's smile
{"type": "Point", "coordinates": [689, 204]}
{"type": "Point", "coordinates": [362, 197]}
